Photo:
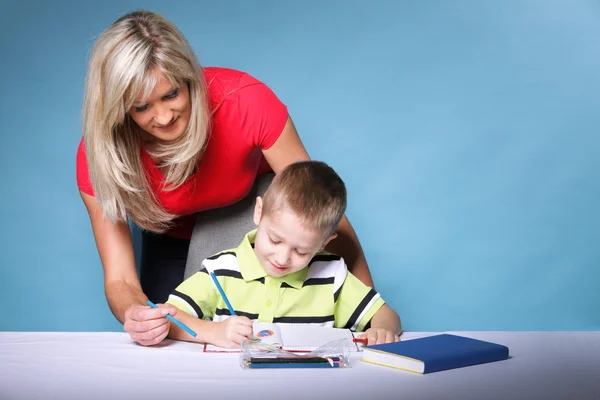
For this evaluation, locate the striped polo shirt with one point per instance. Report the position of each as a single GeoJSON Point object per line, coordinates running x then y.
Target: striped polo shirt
{"type": "Point", "coordinates": [324, 293]}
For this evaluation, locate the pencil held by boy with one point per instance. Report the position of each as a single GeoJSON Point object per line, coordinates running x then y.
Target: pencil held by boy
{"type": "Point", "coordinates": [281, 273]}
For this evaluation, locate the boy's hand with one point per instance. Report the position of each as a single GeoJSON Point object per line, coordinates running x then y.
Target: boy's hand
{"type": "Point", "coordinates": [232, 331]}
{"type": "Point", "coordinates": [379, 336]}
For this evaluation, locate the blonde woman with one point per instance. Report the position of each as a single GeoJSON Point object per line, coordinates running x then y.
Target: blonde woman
{"type": "Point", "coordinates": [163, 140]}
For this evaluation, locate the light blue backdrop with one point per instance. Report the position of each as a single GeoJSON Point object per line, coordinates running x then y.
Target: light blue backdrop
{"type": "Point", "coordinates": [467, 133]}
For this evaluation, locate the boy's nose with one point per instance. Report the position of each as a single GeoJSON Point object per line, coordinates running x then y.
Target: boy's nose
{"type": "Point", "coordinates": [282, 257]}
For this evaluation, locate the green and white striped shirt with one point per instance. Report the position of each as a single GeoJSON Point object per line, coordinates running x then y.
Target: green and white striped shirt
{"type": "Point", "coordinates": [324, 293]}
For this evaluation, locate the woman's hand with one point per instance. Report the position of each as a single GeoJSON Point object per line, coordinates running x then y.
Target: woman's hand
{"type": "Point", "coordinates": [230, 332]}
{"type": "Point", "coordinates": [146, 325]}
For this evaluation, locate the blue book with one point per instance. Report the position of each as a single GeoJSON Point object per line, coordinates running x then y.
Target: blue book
{"type": "Point", "coordinates": [434, 353]}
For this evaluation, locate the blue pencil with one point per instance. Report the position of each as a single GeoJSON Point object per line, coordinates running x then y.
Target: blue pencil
{"type": "Point", "coordinates": [220, 289]}
{"type": "Point", "coordinates": [175, 321]}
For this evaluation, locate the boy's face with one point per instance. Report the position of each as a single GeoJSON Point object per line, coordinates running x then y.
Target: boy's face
{"type": "Point", "coordinates": [283, 243]}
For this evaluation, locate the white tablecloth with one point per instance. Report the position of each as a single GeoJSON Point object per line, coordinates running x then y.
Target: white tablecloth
{"type": "Point", "coordinates": [61, 365]}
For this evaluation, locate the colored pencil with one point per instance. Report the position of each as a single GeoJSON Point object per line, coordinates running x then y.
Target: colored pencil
{"type": "Point", "coordinates": [220, 289]}
{"type": "Point", "coordinates": [294, 365]}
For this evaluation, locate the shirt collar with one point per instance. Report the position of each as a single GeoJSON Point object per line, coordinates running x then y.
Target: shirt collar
{"type": "Point", "coordinates": [251, 269]}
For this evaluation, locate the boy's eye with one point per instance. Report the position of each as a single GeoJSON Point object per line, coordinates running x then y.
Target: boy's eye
{"type": "Point", "coordinates": [274, 241]}
{"type": "Point", "coordinates": [301, 253]}
{"type": "Point", "coordinates": [172, 95]}
{"type": "Point", "coordinates": [141, 108]}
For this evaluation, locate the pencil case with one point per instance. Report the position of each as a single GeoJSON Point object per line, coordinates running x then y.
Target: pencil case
{"type": "Point", "coordinates": [255, 354]}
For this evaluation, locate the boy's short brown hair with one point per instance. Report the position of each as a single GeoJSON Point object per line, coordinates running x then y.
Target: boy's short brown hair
{"type": "Point", "coordinates": [312, 190]}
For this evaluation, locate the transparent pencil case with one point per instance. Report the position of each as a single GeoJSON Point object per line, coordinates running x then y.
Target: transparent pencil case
{"type": "Point", "coordinates": [255, 354]}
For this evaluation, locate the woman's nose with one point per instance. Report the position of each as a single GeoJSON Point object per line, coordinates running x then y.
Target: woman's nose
{"type": "Point", "coordinates": [163, 115]}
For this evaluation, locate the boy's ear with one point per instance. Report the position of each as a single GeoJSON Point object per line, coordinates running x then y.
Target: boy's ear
{"type": "Point", "coordinates": [258, 210]}
{"type": "Point", "coordinates": [329, 239]}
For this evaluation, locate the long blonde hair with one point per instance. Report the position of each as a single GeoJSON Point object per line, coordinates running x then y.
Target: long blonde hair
{"type": "Point", "coordinates": [123, 63]}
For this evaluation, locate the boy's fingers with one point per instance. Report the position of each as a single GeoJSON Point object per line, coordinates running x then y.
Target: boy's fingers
{"type": "Point", "coordinates": [238, 339]}
{"type": "Point", "coordinates": [241, 320]}
{"type": "Point", "coordinates": [391, 337]}
{"type": "Point", "coordinates": [245, 331]}
{"type": "Point", "coordinates": [242, 329]}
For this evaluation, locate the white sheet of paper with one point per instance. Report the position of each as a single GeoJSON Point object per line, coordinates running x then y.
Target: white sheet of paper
{"type": "Point", "coordinates": [294, 337]}
{"type": "Point", "coordinates": [303, 337]}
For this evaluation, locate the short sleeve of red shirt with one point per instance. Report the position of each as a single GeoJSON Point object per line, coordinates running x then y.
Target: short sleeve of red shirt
{"type": "Point", "coordinates": [83, 175]}
{"type": "Point", "coordinates": [262, 116]}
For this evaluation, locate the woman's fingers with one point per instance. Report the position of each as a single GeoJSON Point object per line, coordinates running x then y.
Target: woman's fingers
{"type": "Point", "coordinates": [151, 337]}
{"type": "Point", "coordinates": [146, 325]}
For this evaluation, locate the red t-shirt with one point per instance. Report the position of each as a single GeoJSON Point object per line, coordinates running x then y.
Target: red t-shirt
{"type": "Point", "coordinates": [249, 118]}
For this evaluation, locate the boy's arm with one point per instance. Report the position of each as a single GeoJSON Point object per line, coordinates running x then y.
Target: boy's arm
{"type": "Point", "coordinates": [385, 327]}
{"type": "Point", "coordinates": [194, 294]}
{"type": "Point", "coordinates": [388, 319]}
{"type": "Point", "coordinates": [198, 296]}
{"type": "Point", "coordinates": [355, 303]}
{"type": "Point", "coordinates": [204, 329]}
{"type": "Point", "coordinates": [228, 333]}
{"type": "Point", "coordinates": [359, 307]}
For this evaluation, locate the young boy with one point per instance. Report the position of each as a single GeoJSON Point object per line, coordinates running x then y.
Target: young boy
{"type": "Point", "coordinates": [280, 273]}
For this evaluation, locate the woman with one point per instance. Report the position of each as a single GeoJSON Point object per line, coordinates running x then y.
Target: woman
{"type": "Point", "coordinates": [164, 139]}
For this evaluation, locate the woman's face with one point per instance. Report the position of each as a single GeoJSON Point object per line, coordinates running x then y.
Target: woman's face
{"type": "Point", "coordinates": [166, 112]}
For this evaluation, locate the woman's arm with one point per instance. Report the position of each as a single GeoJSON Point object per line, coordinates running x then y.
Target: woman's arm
{"type": "Point", "coordinates": [115, 248]}
{"type": "Point", "coordinates": [347, 245]}
{"type": "Point", "coordinates": [288, 149]}
{"type": "Point", "coordinates": [121, 284]}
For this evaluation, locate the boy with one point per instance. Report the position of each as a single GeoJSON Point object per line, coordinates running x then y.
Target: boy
{"type": "Point", "coordinates": [280, 273]}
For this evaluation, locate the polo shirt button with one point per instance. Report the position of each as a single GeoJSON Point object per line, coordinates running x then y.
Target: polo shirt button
{"type": "Point", "coordinates": [273, 283]}
{"type": "Point", "coordinates": [269, 303]}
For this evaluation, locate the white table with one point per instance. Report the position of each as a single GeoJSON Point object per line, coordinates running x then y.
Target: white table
{"type": "Point", "coordinates": [61, 365]}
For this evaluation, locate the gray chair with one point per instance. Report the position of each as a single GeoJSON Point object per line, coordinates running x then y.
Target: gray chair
{"type": "Point", "coordinates": [223, 228]}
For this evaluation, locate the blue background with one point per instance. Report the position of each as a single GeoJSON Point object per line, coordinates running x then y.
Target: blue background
{"type": "Point", "coordinates": [467, 133]}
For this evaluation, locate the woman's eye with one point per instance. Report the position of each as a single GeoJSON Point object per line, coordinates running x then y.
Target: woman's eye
{"type": "Point", "coordinates": [172, 95]}
{"type": "Point", "coordinates": [141, 108]}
